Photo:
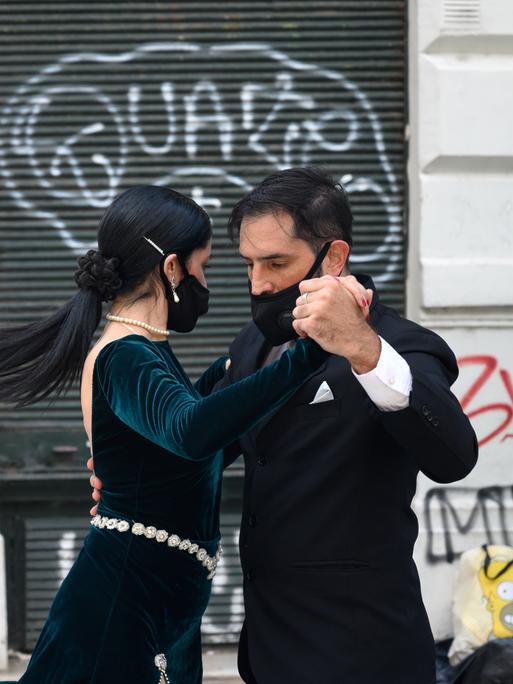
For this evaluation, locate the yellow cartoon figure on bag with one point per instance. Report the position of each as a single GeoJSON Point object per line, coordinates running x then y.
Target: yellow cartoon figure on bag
{"type": "Point", "coordinates": [496, 579]}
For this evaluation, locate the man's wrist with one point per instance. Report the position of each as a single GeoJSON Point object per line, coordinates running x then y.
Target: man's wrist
{"type": "Point", "coordinates": [366, 355]}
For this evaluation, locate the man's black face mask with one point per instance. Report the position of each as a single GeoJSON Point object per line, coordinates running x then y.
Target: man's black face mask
{"type": "Point", "coordinates": [272, 313]}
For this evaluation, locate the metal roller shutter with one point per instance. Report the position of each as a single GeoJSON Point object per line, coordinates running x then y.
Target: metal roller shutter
{"type": "Point", "coordinates": [209, 98]}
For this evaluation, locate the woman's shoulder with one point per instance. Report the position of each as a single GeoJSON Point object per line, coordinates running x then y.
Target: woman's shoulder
{"type": "Point", "coordinates": [130, 349]}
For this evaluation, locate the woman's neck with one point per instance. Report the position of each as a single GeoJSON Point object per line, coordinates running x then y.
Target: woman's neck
{"type": "Point", "coordinates": [152, 313]}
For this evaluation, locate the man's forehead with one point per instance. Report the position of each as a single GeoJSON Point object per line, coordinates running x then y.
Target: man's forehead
{"type": "Point", "coordinates": [268, 235]}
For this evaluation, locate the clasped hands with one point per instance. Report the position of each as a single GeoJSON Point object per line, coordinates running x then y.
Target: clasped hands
{"type": "Point", "coordinates": [334, 311]}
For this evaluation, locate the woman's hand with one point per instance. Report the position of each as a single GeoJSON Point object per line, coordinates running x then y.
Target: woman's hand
{"type": "Point", "coordinates": [311, 289]}
{"type": "Point", "coordinates": [334, 312]}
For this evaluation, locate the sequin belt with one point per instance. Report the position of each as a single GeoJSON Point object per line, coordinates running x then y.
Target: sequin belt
{"type": "Point", "coordinates": [162, 536]}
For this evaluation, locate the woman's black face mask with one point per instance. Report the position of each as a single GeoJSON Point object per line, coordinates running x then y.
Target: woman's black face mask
{"type": "Point", "coordinates": [182, 316]}
{"type": "Point", "coordinates": [272, 313]}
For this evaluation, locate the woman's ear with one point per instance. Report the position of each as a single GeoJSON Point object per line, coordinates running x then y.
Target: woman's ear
{"type": "Point", "coordinates": [336, 258]}
{"type": "Point", "coordinates": [172, 269]}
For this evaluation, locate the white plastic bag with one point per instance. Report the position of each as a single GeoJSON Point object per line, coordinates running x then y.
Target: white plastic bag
{"type": "Point", "coordinates": [483, 600]}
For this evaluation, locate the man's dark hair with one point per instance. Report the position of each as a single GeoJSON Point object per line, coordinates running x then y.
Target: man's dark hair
{"type": "Point", "coordinates": [317, 204]}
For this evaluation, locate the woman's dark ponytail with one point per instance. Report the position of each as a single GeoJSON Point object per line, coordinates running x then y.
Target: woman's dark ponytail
{"type": "Point", "coordinates": [47, 356]}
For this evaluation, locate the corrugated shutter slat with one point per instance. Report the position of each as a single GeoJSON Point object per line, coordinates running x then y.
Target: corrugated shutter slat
{"type": "Point", "coordinates": [98, 96]}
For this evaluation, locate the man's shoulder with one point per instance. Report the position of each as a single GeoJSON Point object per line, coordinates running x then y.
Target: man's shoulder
{"type": "Point", "coordinates": [408, 337]}
{"type": "Point", "coordinates": [396, 329]}
{"type": "Point", "coordinates": [387, 321]}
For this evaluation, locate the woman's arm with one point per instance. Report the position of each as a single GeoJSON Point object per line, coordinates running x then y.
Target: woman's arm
{"type": "Point", "coordinates": [144, 393]}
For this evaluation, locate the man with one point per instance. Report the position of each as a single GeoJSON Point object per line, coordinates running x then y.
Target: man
{"type": "Point", "coordinates": [331, 591]}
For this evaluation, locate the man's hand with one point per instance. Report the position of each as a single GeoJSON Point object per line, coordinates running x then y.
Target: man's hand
{"type": "Point", "coordinates": [96, 484]}
{"type": "Point", "coordinates": [333, 312]}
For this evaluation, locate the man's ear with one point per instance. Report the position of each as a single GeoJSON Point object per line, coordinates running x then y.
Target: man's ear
{"type": "Point", "coordinates": [336, 258]}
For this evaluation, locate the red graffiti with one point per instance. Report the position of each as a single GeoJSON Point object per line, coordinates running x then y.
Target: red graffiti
{"type": "Point", "coordinates": [489, 365]}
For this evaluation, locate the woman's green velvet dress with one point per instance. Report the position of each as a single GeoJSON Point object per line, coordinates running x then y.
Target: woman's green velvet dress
{"type": "Point", "coordinates": [158, 445]}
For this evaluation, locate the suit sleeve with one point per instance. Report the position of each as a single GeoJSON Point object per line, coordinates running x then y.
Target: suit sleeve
{"type": "Point", "coordinates": [146, 394]}
{"type": "Point", "coordinates": [214, 373]}
{"type": "Point", "coordinates": [433, 429]}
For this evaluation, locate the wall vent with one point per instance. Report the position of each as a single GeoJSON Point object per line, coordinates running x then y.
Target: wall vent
{"type": "Point", "coordinates": [461, 16]}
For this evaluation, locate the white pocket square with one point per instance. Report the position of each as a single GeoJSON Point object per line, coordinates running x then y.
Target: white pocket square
{"type": "Point", "coordinates": [324, 393]}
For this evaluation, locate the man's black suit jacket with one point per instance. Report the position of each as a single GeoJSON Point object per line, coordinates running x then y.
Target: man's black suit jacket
{"type": "Point", "coordinates": [331, 592]}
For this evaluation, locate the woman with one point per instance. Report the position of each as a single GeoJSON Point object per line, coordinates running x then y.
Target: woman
{"type": "Point", "coordinates": [131, 607]}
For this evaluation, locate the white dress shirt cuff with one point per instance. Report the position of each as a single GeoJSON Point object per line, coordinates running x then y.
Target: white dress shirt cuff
{"type": "Point", "coordinates": [389, 384]}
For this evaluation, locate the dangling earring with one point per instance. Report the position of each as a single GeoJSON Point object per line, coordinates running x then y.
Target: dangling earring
{"type": "Point", "coordinates": [176, 298]}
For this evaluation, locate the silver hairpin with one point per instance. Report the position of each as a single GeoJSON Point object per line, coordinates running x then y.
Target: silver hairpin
{"type": "Point", "coordinates": [154, 245]}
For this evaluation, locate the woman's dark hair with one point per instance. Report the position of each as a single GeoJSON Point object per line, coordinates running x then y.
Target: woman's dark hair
{"type": "Point", "coordinates": [47, 356]}
{"type": "Point", "coordinates": [318, 206]}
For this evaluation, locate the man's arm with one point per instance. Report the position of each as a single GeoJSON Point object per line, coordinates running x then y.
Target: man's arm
{"type": "Point", "coordinates": [389, 384]}
{"type": "Point", "coordinates": [430, 426]}
{"type": "Point", "coordinates": [433, 427]}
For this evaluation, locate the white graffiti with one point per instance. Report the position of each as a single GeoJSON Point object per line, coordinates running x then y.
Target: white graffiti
{"type": "Point", "coordinates": [212, 176]}
{"type": "Point", "coordinates": [195, 121]}
{"type": "Point", "coordinates": [66, 554]}
{"type": "Point", "coordinates": [134, 99]}
{"type": "Point", "coordinates": [272, 120]}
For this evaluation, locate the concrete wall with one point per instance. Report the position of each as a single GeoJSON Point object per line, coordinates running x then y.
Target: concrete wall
{"type": "Point", "coordinates": [460, 262]}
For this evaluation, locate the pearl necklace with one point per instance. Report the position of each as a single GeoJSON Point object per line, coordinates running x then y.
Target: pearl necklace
{"type": "Point", "coordinates": [141, 324]}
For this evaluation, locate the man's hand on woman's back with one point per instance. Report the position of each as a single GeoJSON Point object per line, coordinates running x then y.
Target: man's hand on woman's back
{"type": "Point", "coordinates": [96, 484]}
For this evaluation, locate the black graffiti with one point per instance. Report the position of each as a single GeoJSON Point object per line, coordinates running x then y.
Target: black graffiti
{"type": "Point", "coordinates": [452, 513]}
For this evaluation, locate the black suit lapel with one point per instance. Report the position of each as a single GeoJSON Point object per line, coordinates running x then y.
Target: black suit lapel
{"type": "Point", "coordinates": [251, 355]}
{"type": "Point", "coordinates": [255, 364]}
{"type": "Point", "coordinates": [257, 431]}
{"type": "Point", "coordinates": [253, 358]}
